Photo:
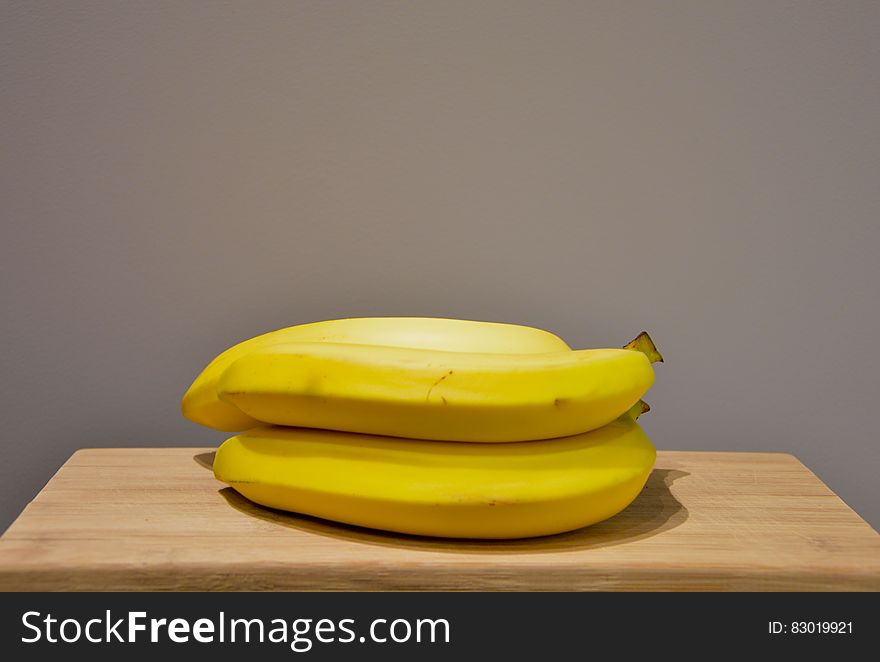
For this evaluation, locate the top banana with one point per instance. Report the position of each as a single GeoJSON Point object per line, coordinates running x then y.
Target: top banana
{"type": "Point", "coordinates": [431, 394]}
{"type": "Point", "coordinates": [201, 404]}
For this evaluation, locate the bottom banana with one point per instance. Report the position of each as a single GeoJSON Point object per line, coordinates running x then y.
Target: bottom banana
{"type": "Point", "coordinates": [435, 488]}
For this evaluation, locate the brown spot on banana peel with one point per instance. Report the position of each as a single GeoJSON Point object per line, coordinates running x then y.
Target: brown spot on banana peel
{"type": "Point", "coordinates": [643, 343]}
{"type": "Point", "coordinates": [435, 384]}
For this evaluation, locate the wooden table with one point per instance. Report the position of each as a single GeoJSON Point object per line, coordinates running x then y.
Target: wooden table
{"type": "Point", "coordinates": [156, 519]}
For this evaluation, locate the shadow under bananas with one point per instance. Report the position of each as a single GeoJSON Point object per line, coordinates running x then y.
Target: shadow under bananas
{"type": "Point", "coordinates": [654, 511]}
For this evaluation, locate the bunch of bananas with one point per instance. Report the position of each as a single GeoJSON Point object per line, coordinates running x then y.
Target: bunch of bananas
{"type": "Point", "coordinates": [435, 427]}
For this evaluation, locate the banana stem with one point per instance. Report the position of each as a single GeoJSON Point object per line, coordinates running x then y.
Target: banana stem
{"type": "Point", "coordinates": [639, 408]}
{"type": "Point", "coordinates": [643, 343]}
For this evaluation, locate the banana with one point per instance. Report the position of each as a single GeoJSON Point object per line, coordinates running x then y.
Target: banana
{"type": "Point", "coordinates": [430, 394]}
{"type": "Point", "coordinates": [201, 404]}
{"type": "Point", "coordinates": [440, 488]}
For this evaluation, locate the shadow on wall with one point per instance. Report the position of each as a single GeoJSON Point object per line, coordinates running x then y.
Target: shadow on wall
{"type": "Point", "coordinates": [655, 510]}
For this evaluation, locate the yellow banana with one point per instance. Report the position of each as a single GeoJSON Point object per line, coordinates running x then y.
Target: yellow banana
{"type": "Point", "coordinates": [442, 488]}
{"type": "Point", "coordinates": [201, 404]}
{"type": "Point", "coordinates": [428, 394]}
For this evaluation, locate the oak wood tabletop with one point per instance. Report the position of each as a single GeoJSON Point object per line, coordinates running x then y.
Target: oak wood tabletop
{"type": "Point", "coordinates": [156, 519]}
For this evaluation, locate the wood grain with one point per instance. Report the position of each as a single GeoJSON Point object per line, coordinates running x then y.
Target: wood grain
{"type": "Point", "coordinates": [156, 519]}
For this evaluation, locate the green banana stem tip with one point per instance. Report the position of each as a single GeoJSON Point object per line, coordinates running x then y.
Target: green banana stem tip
{"type": "Point", "coordinates": [639, 408]}
{"type": "Point", "coordinates": [643, 343]}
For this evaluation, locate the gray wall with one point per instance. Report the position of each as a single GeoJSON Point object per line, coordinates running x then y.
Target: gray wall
{"type": "Point", "coordinates": [177, 176]}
